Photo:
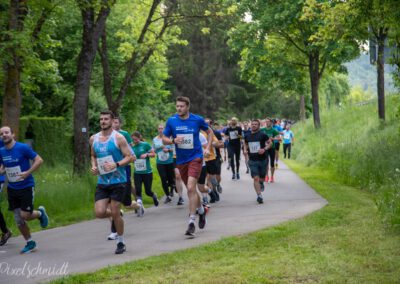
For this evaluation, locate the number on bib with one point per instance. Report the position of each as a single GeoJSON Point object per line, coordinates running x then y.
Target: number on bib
{"type": "Point", "coordinates": [233, 135]}
{"type": "Point", "coordinates": [13, 173]}
{"type": "Point", "coordinates": [163, 156]}
{"type": "Point", "coordinates": [187, 142]}
{"type": "Point", "coordinates": [140, 165]}
{"type": "Point", "coordinates": [254, 147]}
{"type": "Point", "coordinates": [101, 162]}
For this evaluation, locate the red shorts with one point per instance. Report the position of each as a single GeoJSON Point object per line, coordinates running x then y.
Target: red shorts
{"type": "Point", "coordinates": [190, 169]}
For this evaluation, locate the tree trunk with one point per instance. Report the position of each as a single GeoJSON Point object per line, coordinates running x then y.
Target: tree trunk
{"type": "Point", "coordinates": [380, 67]}
{"type": "Point", "coordinates": [92, 31]}
{"type": "Point", "coordinates": [302, 109]}
{"type": "Point", "coordinates": [12, 99]}
{"type": "Point", "coordinates": [314, 79]}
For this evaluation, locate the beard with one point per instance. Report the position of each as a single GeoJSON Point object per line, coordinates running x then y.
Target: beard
{"type": "Point", "coordinates": [105, 127]}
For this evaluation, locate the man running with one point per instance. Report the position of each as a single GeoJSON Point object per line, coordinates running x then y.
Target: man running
{"type": "Point", "coordinates": [277, 143]}
{"type": "Point", "coordinates": [246, 132]}
{"type": "Point", "coordinates": [234, 134]}
{"type": "Point", "coordinates": [217, 133]}
{"type": "Point", "coordinates": [288, 141]}
{"type": "Point", "coordinates": [272, 134]}
{"type": "Point", "coordinates": [5, 232]}
{"type": "Point", "coordinates": [15, 160]}
{"type": "Point", "coordinates": [256, 144]}
{"type": "Point", "coordinates": [185, 128]}
{"type": "Point", "coordinates": [110, 153]}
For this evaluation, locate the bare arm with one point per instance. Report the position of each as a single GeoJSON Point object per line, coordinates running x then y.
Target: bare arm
{"type": "Point", "coordinates": [93, 160]}
{"type": "Point", "coordinates": [126, 151]}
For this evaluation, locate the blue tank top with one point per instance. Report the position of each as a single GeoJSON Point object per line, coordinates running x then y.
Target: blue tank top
{"type": "Point", "coordinates": [110, 152]}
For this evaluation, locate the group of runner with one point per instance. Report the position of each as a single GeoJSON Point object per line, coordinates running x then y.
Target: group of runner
{"type": "Point", "coordinates": [187, 151]}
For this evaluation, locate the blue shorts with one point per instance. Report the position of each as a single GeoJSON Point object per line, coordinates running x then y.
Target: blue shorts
{"type": "Point", "coordinates": [258, 168]}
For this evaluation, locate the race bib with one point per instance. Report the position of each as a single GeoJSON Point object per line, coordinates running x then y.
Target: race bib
{"type": "Point", "coordinates": [233, 135]}
{"type": "Point", "coordinates": [187, 142]}
{"type": "Point", "coordinates": [13, 173]}
{"type": "Point", "coordinates": [101, 162]}
{"type": "Point", "coordinates": [254, 147]}
{"type": "Point", "coordinates": [140, 165]}
{"type": "Point", "coordinates": [286, 136]}
{"type": "Point", "coordinates": [163, 156]}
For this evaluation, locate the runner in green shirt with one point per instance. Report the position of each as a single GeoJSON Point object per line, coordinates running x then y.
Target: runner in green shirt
{"type": "Point", "coordinates": [274, 135]}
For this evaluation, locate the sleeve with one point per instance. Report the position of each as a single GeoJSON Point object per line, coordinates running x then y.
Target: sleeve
{"type": "Point", "coordinates": [148, 147]}
{"type": "Point", "coordinates": [226, 132]}
{"type": "Point", "coordinates": [168, 129]}
{"type": "Point", "coordinates": [129, 139]}
{"type": "Point", "coordinates": [240, 131]}
{"type": "Point", "coordinates": [203, 124]}
{"type": "Point", "coordinates": [28, 152]}
{"type": "Point", "coordinates": [203, 139]}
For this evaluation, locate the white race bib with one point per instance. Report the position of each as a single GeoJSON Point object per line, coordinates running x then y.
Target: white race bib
{"type": "Point", "coordinates": [163, 156]}
{"type": "Point", "coordinates": [233, 135]}
{"type": "Point", "coordinates": [140, 165]}
{"type": "Point", "coordinates": [254, 147]}
{"type": "Point", "coordinates": [101, 162]}
{"type": "Point", "coordinates": [286, 135]}
{"type": "Point", "coordinates": [187, 142]}
{"type": "Point", "coordinates": [13, 173]}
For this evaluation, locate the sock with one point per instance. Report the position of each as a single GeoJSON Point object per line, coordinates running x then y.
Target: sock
{"type": "Point", "coordinates": [40, 214]}
{"type": "Point", "coordinates": [201, 210]}
{"type": "Point", "coordinates": [139, 201]}
{"type": "Point", "coordinates": [259, 195]}
{"type": "Point", "coordinates": [29, 240]}
{"type": "Point", "coordinates": [192, 218]}
{"type": "Point", "coordinates": [120, 239]}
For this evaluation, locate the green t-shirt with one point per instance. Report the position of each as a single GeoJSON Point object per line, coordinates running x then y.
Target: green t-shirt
{"type": "Point", "coordinates": [126, 135]}
{"type": "Point", "coordinates": [271, 132]}
{"type": "Point", "coordinates": [142, 166]}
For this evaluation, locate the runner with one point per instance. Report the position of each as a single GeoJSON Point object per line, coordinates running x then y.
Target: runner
{"type": "Point", "coordinates": [201, 182]}
{"type": "Point", "coordinates": [15, 160]}
{"type": "Point", "coordinates": [217, 133]}
{"type": "Point", "coordinates": [277, 143]}
{"type": "Point", "coordinates": [143, 174]}
{"type": "Point", "coordinates": [234, 134]}
{"type": "Point", "coordinates": [256, 144]}
{"type": "Point", "coordinates": [246, 132]}
{"type": "Point", "coordinates": [272, 134]}
{"type": "Point", "coordinates": [185, 128]}
{"type": "Point", "coordinates": [288, 141]}
{"type": "Point", "coordinates": [110, 153]}
{"type": "Point", "coordinates": [165, 165]}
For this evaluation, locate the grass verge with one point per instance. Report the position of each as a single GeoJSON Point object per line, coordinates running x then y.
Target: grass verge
{"type": "Point", "coordinates": [343, 242]}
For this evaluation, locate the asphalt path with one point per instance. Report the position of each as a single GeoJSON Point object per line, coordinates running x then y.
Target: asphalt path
{"type": "Point", "coordinates": [83, 247]}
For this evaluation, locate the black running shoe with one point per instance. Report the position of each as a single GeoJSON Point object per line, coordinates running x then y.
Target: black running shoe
{"type": "Point", "coordinates": [190, 230]}
{"type": "Point", "coordinates": [167, 200]}
{"type": "Point", "coordinates": [180, 201]}
{"type": "Point", "coordinates": [202, 219]}
{"type": "Point", "coordinates": [155, 200]}
{"type": "Point", "coordinates": [121, 248]}
{"type": "Point", "coordinates": [237, 176]}
{"type": "Point", "coordinates": [216, 194]}
{"type": "Point", "coordinates": [212, 196]}
{"type": "Point", "coordinates": [5, 237]}
{"type": "Point", "coordinates": [247, 171]}
{"type": "Point", "coordinates": [233, 176]}
{"type": "Point", "coordinates": [219, 189]}
{"type": "Point", "coordinates": [260, 200]}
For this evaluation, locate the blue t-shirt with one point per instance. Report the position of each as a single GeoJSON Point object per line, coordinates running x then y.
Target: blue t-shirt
{"type": "Point", "coordinates": [279, 129]}
{"type": "Point", "coordinates": [287, 136]}
{"type": "Point", "coordinates": [246, 133]}
{"type": "Point", "coordinates": [17, 160]}
{"type": "Point", "coordinates": [2, 179]}
{"type": "Point", "coordinates": [189, 129]}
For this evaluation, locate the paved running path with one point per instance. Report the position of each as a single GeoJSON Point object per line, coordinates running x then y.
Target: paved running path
{"type": "Point", "coordinates": [83, 247]}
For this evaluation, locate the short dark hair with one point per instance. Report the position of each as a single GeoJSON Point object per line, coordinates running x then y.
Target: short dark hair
{"type": "Point", "coordinates": [256, 120]}
{"type": "Point", "coordinates": [118, 118]}
{"type": "Point", "coordinates": [107, 112]}
{"type": "Point", "coordinates": [183, 99]}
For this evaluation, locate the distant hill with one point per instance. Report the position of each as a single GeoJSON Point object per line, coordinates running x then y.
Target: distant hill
{"type": "Point", "coordinates": [363, 74]}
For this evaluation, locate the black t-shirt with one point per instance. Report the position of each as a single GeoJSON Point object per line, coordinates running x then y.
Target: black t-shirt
{"type": "Point", "coordinates": [219, 137]}
{"type": "Point", "coordinates": [254, 142]}
{"type": "Point", "coordinates": [234, 134]}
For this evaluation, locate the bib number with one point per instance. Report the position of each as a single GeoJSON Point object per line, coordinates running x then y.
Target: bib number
{"type": "Point", "coordinates": [187, 142]}
{"type": "Point", "coordinates": [13, 173]}
{"type": "Point", "coordinates": [254, 147]}
{"type": "Point", "coordinates": [233, 135]}
{"type": "Point", "coordinates": [163, 156]}
{"type": "Point", "coordinates": [102, 161]}
{"type": "Point", "coordinates": [140, 165]}
{"type": "Point", "coordinates": [286, 136]}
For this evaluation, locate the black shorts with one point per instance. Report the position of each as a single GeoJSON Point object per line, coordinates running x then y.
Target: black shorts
{"type": "Point", "coordinates": [110, 191]}
{"type": "Point", "coordinates": [175, 163]}
{"type": "Point", "coordinates": [277, 146]}
{"type": "Point", "coordinates": [212, 167]}
{"type": "Point", "coordinates": [219, 165]}
{"type": "Point", "coordinates": [127, 198]}
{"type": "Point", "coordinates": [21, 198]}
{"type": "Point", "coordinates": [203, 175]}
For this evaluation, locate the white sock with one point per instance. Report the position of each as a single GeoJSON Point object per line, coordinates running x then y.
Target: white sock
{"type": "Point", "coordinates": [120, 239]}
{"type": "Point", "coordinates": [192, 218]}
{"type": "Point", "coordinates": [201, 210]}
{"type": "Point", "coordinates": [139, 201]}
{"type": "Point", "coordinates": [28, 240]}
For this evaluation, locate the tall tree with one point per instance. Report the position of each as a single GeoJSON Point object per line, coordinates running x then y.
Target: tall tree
{"type": "Point", "coordinates": [94, 15]}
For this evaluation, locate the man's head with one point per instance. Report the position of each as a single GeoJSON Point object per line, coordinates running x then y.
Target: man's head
{"type": "Point", "coordinates": [7, 134]}
{"type": "Point", "coordinates": [182, 106]}
{"type": "Point", "coordinates": [255, 125]}
{"type": "Point", "coordinates": [117, 123]}
{"type": "Point", "coordinates": [268, 122]}
{"type": "Point", "coordinates": [106, 120]}
{"type": "Point", "coordinates": [287, 126]}
{"type": "Point", "coordinates": [234, 121]}
{"type": "Point", "coordinates": [245, 125]}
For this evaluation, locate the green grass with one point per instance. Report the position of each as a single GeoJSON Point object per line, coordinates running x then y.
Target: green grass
{"type": "Point", "coordinates": [345, 242]}
{"type": "Point", "coordinates": [67, 199]}
{"type": "Point", "coordinates": [361, 150]}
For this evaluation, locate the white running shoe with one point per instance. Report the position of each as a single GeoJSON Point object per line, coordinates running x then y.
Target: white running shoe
{"type": "Point", "coordinates": [112, 236]}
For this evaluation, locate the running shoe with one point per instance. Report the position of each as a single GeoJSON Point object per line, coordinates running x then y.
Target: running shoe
{"type": "Point", "coordinates": [180, 201]}
{"type": "Point", "coordinates": [190, 230]}
{"type": "Point", "coordinates": [205, 200]}
{"type": "Point", "coordinates": [262, 187]}
{"type": "Point", "coordinates": [121, 248]}
{"type": "Point", "coordinates": [216, 195]}
{"type": "Point", "coordinates": [266, 179]}
{"type": "Point", "coordinates": [155, 200]}
{"type": "Point", "coordinates": [247, 171]}
{"type": "Point", "coordinates": [219, 188]}
{"type": "Point", "coordinates": [44, 219]}
{"type": "Point", "coordinates": [202, 219]}
{"type": "Point", "coordinates": [237, 176]}
{"type": "Point", "coordinates": [112, 236]}
{"type": "Point", "coordinates": [260, 200]}
{"type": "Point", "coordinates": [212, 196]}
{"type": "Point", "coordinates": [233, 176]}
{"type": "Point", "coordinates": [30, 247]}
{"type": "Point", "coordinates": [5, 237]}
{"type": "Point", "coordinates": [272, 179]}
{"type": "Point", "coordinates": [140, 211]}
{"type": "Point", "coordinates": [167, 200]}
